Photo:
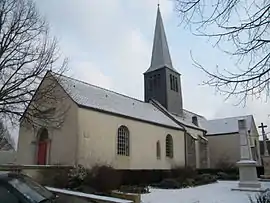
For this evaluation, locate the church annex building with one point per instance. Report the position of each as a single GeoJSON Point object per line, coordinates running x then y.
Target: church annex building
{"type": "Point", "coordinates": [105, 127]}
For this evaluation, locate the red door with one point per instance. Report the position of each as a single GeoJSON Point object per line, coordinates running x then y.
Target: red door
{"type": "Point", "coordinates": [42, 153]}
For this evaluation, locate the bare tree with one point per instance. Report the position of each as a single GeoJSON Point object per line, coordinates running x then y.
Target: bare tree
{"type": "Point", "coordinates": [27, 53]}
{"type": "Point", "coordinates": [241, 28]}
{"type": "Point", "coordinates": [6, 141]}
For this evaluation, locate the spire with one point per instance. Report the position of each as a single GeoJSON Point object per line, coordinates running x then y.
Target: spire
{"type": "Point", "coordinates": [160, 53]}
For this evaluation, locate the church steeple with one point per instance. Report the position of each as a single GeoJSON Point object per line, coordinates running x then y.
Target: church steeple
{"type": "Point", "coordinates": [160, 52]}
{"type": "Point", "coordinates": [161, 80]}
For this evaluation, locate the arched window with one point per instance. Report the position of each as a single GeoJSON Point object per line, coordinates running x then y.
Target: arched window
{"type": "Point", "coordinates": [169, 146]}
{"type": "Point", "coordinates": [123, 141]}
{"type": "Point", "coordinates": [158, 150]}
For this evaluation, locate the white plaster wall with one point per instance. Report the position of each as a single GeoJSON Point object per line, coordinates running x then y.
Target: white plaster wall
{"type": "Point", "coordinates": [196, 133]}
{"type": "Point", "coordinates": [26, 151]}
{"type": "Point", "coordinates": [224, 147]}
{"type": "Point", "coordinates": [7, 157]}
{"type": "Point", "coordinates": [98, 135]}
{"type": "Point", "coordinates": [63, 145]}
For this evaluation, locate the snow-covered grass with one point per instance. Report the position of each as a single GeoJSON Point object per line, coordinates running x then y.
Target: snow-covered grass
{"type": "Point", "coordinates": [219, 192]}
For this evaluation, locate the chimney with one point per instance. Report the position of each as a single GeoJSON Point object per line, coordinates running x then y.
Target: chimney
{"type": "Point", "coordinates": [195, 120]}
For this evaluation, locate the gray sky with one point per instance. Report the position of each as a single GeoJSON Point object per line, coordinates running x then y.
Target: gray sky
{"type": "Point", "coordinates": [109, 44]}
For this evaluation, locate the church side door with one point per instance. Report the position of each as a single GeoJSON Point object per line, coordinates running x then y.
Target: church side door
{"type": "Point", "coordinates": [42, 153]}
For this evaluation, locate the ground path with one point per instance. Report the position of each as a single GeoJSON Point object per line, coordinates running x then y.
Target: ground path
{"type": "Point", "coordinates": [213, 193]}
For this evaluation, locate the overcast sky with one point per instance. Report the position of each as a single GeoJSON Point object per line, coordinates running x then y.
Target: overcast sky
{"type": "Point", "coordinates": [108, 43]}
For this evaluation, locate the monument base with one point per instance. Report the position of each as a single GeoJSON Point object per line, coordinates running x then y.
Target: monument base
{"type": "Point", "coordinates": [248, 174]}
{"type": "Point", "coordinates": [247, 184]}
{"type": "Point", "coordinates": [265, 178]}
{"type": "Point", "coordinates": [249, 189]}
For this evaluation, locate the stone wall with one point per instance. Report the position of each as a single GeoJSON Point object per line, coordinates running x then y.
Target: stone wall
{"type": "Point", "coordinates": [65, 198]}
{"type": "Point", "coordinates": [203, 149]}
{"type": "Point", "coordinates": [191, 151]}
{"type": "Point", "coordinates": [68, 196]}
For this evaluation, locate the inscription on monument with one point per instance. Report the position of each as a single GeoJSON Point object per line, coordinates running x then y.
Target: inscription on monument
{"type": "Point", "coordinates": [245, 152]}
{"type": "Point", "coordinates": [243, 140]}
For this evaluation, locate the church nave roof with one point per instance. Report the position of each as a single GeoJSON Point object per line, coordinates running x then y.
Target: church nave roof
{"type": "Point", "coordinates": [87, 95]}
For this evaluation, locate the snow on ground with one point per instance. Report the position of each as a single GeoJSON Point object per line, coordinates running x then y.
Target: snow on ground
{"type": "Point", "coordinates": [213, 193]}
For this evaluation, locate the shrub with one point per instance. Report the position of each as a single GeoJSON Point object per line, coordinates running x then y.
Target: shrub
{"type": "Point", "coordinates": [261, 198]}
{"type": "Point", "coordinates": [226, 176]}
{"type": "Point", "coordinates": [188, 183]}
{"type": "Point", "coordinates": [103, 178]}
{"type": "Point", "coordinates": [54, 177]}
{"type": "Point", "coordinates": [223, 176]}
{"type": "Point", "coordinates": [134, 189]}
{"type": "Point", "coordinates": [214, 171]}
{"type": "Point", "coordinates": [76, 177]}
{"type": "Point", "coordinates": [203, 179]}
{"type": "Point", "coordinates": [182, 173]}
{"type": "Point", "coordinates": [168, 184]}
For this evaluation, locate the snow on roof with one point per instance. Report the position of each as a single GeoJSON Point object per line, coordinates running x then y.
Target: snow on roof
{"type": "Point", "coordinates": [226, 125]}
{"type": "Point", "coordinates": [217, 126]}
{"type": "Point", "coordinates": [187, 122]}
{"type": "Point", "coordinates": [187, 116]}
{"type": "Point", "coordinates": [180, 119]}
{"type": "Point", "coordinates": [87, 95]}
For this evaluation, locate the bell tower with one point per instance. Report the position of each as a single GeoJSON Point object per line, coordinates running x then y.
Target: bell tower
{"type": "Point", "coordinates": [161, 81]}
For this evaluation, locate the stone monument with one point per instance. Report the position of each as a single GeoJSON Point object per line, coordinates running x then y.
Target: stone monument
{"type": "Point", "coordinates": [247, 166]}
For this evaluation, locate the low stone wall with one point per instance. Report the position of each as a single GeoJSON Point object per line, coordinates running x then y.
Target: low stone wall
{"type": "Point", "coordinates": [67, 196]}
{"type": "Point", "coordinates": [135, 198]}
{"type": "Point", "coordinates": [37, 172]}
{"type": "Point", "coordinates": [63, 198]}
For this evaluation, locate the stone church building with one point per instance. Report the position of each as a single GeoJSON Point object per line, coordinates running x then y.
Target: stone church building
{"type": "Point", "coordinates": [105, 127]}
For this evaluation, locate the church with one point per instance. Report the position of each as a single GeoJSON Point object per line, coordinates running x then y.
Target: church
{"type": "Point", "coordinates": [105, 127]}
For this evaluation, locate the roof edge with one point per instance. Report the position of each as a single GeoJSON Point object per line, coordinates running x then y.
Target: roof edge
{"type": "Point", "coordinates": [158, 105]}
{"type": "Point", "coordinates": [129, 117]}
{"type": "Point", "coordinates": [219, 134]}
{"type": "Point", "coordinates": [249, 115]}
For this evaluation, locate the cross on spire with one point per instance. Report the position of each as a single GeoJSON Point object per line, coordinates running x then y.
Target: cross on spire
{"type": "Point", "coordinates": [262, 126]}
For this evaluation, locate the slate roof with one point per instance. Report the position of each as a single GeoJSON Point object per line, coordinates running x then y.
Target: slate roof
{"type": "Point", "coordinates": [215, 126]}
{"type": "Point", "coordinates": [226, 125]}
{"type": "Point", "coordinates": [160, 52]}
{"type": "Point", "coordinates": [91, 96]}
{"type": "Point", "coordinates": [187, 123]}
{"type": "Point", "coordinates": [187, 116]}
{"type": "Point", "coordinates": [87, 95]}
